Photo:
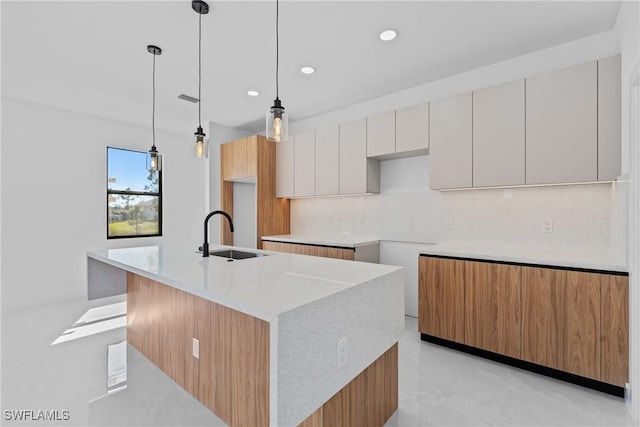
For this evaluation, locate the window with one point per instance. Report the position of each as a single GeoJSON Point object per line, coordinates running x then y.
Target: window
{"type": "Point", "coordinates": [134, 195]}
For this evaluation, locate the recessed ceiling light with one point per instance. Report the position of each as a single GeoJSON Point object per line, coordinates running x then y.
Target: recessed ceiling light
{"type": "Point", "coordinates": [253, 93]}
{"type": "Point", "coordinates": [388, 35]}
{"type": "Point", "coordinates": [307, 70]}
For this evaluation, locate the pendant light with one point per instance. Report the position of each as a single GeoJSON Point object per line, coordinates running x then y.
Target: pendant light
{"type": "Point", "coordinates": [154, 159]}
{"type": "Point", "coordinates": [200, 151]}
{"type": "Point", "coordinates": [277, 118]}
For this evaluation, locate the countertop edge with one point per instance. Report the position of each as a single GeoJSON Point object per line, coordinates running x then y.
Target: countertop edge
{"type": "Point", "coordinates": [527, 260]}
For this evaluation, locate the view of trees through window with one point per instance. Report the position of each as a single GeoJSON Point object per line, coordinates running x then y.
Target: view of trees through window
{"type": "Point", "coordinates": [134, 195]}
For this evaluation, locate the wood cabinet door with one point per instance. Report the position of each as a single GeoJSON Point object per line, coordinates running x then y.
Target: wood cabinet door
{"type": "Point", "coordinates": [304, 169]}
{"type": "Point", "coordinates": [543, 294]}
{"type": "Point", "coordinates": [412, 128]}
{"type": "Point", "coordinates": [492, 298]}
{"type": "Point", "coordinates": [562, 120]}
{"type": "Point", "coordinates": [498, 135]}
{"type": "Point", "coordinates": [381, 134]}
{"type": "Point", "coordinates": [450, 146]}
{"type": "Point", "coordinates": [441, 298]}
{"type": "Point", "coordinates": [582, 324]}
{"type": "Point", "coordinates": [327, 161]}
{"type": "Point", "coordinates": [615, 329]}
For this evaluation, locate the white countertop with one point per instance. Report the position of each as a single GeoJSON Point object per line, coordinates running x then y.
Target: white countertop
{"type": "Point", "coordinates": [263, 287]}
{"type": "Point", "coordinates": [341, 241]}
{"type": "Point", "coordinates": [557, 258]}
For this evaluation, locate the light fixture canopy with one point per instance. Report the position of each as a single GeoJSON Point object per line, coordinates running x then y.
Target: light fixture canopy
{"type": "Point", "coordinates": [154, 159]}
{"type": "Point", "coordinates": [388, 35]}
{"type": "Point", "coordinates": [201, 148]}
{"type": "Point", "coordinates": [277, 117]}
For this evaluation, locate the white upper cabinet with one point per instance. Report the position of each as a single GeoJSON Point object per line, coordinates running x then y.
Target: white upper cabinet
{"type": "Point", "coordinates": [381, 134]}
{"type": "Point", "coordinates": [498, 135]}
{"type": "Point", "coordinates": [412, 129]}
{"type": "Point", "coordinates": [305, 164]}
{"type": "Point", "coordinates": [450, 125]}
{"type": "Point", "coordinates": [562, 120]}
{"type": "Point", "coordinates": [357, 173]}
{"type": "Point", "coordinates": [284, 167]}
{"type": "Point", "coordinates": [609, 128]}
{"type": "Point", "coordinates": [327, 161]}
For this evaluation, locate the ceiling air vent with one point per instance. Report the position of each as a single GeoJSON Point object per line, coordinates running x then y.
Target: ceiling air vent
{"type": "Point", "coordinates": [188, 98]}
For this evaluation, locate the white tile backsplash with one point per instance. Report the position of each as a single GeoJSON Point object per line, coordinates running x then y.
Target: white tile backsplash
{"type": "Point", "coordinates": [586, 218]}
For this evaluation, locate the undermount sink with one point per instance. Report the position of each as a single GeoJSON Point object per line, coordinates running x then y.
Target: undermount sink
{"type": "Point", "coordinates": [234, 254]}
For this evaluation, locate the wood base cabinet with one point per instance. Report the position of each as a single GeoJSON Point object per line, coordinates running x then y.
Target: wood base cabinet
{"type": "Point", "coordinates": [570, 320]}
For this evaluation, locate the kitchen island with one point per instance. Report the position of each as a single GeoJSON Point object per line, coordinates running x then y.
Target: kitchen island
{"type": "Point", "coordinates": [281, 339]}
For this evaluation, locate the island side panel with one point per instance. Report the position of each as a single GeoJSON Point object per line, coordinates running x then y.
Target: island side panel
{"type": "Point", "coordinates": [231, 376]}
{"type": "Point", "coordinates": [369, 315]}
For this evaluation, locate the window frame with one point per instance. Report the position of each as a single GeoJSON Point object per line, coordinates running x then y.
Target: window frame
{"type": "Point", "coordinates": [134, 193]}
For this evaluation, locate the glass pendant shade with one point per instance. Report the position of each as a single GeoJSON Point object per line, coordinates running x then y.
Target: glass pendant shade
{"type": "Point", "coordinates": [154, 160]}
{"type": "Point", "coordinates": [277, 123]}
{"type": "Point", "coordinates": [201, 148]}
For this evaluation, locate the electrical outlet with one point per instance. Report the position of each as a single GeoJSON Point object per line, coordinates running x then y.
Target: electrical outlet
{"type": "Point", "coordinates": [342, 353]}
{"type": "Point", "coordinates": [196, 348]}
{"type": "Point", "coordinates": [360, 220]}
{"type": "Point", "coordinates": [448, 223]}
{"type": "Point", "coordinates": [547, 225]}
{"type": "Point", "coordinates": [336, 220]}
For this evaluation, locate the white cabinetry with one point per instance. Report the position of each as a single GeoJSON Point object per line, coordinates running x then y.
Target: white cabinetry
{"type": "Point", "coordinates": [498, 135]}
{"type": "Point", "coordinates": [562, 119]}
{"type": "Point", "coordinates": [358, 174]}
{"type": "Point", "coordinates": [381, 134]}
{"type": "Point", "coordinates": [609, 128]}
{"type": "Point", "coordinates": [327, 161]}
{"type": "Point", "coordinates": [412, 129]}
{"type": "Point", "coordinates": [450, 148]}
{"type": "Point", "coordinates": [304, 183]}
{"type": "Point", "coordinates": [284, 167]}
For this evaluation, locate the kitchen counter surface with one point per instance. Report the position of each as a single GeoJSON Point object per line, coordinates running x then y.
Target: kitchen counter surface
{"type": "Point", "coordinates": [334, 241]}
{"type": "Point", "coordinates": [556, 258]}
{"type": "Point", "coordinates": [263, 287]}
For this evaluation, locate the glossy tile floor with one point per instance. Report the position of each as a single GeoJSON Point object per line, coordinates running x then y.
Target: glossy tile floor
{"type": "Point", "coordinates": [71, 357]}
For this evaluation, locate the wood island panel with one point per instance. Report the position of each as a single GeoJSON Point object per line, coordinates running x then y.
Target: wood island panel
{"type": "Point", "coordinates": [231, 376]}
{"type": "Point", "coordinates": [441, 298]}
{"type": "Point", "coordinates": [615, 329]}
{"type": "Point", "coordinates": [582, 324]}
{"type": "Point", "coordinates": [492, 307]}
{"type": "Point", "coordinates": [368, 400]}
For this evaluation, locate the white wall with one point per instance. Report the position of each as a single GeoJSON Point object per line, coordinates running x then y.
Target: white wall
{"type": "Point", "coordinates": [627, 36]}
{"type": "Point", "coordinates": [54, 197]}
{"type": "Point", "coordinates": [406, 214]}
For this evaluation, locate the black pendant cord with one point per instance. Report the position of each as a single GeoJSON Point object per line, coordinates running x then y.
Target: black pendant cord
{"type": "Point", "coordinates": [277, 47]}
{"type": "Point", "coordinates": [199, 68]}
{"type": "Point", "coordinates": [153, 108]}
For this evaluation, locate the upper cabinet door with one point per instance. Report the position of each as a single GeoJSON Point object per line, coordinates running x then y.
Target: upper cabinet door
{"type": "Point", "coordinates": [498, 135]}
{"type": "Point", "coordinates": [450, 142]}
{"type": "Point", "coordinates": [327, 161]}
{"type": "Point", "coordinates": [562, 119]}
{"type": "Point", "coordinates": [284, 167]}
{"type": "Point", "coordinates": [609, 128]}
{"type": "Point", "coordinates": [381, 134]}
{"type": "Point", "coordinates": [353, 157]}
{"type": "Point", "coordinates": [412, 129]}
{"type": "Point", "coordinates": [304, 183]}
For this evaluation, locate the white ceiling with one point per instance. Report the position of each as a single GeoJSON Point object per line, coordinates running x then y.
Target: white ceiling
{"type": "Point", "coordinates": [91, 56]}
